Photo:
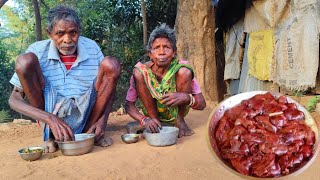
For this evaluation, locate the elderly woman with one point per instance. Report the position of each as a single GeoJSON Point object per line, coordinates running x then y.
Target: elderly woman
{"type": "Point", "coordinates": [165, 85]}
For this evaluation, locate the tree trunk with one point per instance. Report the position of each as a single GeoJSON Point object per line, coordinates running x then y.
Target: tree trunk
{"type": "Point", "coordinates": [144, 18]}
{"type": "Point", "coordinates": [38, 20]}
{"type": "Point", "coordinates": [2, 2]}
{"type": "Point", "coordinates": [196, 42]}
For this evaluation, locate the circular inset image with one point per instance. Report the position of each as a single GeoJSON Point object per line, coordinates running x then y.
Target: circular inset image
{"type": "Point", "coordinates": [263, 134]}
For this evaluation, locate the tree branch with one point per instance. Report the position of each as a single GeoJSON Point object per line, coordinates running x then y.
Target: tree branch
{"type": "Point", "coordinates": [38, 19]}
{"type": "Point", "coordinates": [2, 2]}
{"type": "Point", "coordinates": [45, 5]}
{"type": "Point", "coordinates": [144, 18]}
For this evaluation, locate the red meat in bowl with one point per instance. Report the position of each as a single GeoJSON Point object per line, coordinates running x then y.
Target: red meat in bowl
{"type": "Point", "coordinates": [259, 134]}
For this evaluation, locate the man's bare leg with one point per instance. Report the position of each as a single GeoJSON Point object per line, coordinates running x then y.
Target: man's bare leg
{"type": "Point", "coordinates": [106, 141]}
{"type": "Point", "coordinates": [105, 86]}
{"type": "Point", "coordinates": [31, 79]}
{"type": "Point", "coordinates": [183, 80]}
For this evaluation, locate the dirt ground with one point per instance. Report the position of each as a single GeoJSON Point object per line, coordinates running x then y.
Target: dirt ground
{"type": "Point", "coordinates": [190, 158]}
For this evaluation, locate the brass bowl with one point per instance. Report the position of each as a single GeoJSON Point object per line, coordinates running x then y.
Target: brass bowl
{"type": "Point", "coordinates": [130, 138]}
{"type": "Point", "coordinates": [232, 101]}
{"type": "Point", "coordinates": [83, 144]}
{"type": "Point", "coordinates": [31, 153]}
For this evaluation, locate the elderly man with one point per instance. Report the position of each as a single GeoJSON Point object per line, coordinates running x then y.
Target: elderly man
{"type": "Point", "coordinates": [165, 85]}
{"type": "Point", "coordinates": [65, 82]}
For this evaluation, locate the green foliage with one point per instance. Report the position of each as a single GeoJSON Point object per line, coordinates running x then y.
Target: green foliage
{"type": "Point", "coordinates": [4, 116]}
{"type": "Point", "coordinates": [15, 33]}
{"type": "Point", "coordinates": [6, 33]}
{"type": "Point", "coordinates": [6, 71]}
{"type": "Point", "coordinates": [312, 103]}
{"type": "Point", "coordinates": [11, 43]}
{"type": "Point", "coordinates": [161, 11]}
{"type": "Point", "coordinates": [298, 93]}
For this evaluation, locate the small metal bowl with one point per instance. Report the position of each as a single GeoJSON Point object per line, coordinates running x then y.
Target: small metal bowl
{"type": "Point", "coordinates": [83, 144]}
{"type": "Point", "coordinates": [130, 138]}
{"type": "Point", "coordinates": [31, 153]}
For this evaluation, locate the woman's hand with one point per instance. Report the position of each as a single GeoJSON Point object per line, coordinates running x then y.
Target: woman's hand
{"type": "Point", "coordinates": [153, 125]}
{"type": "Point", "coordinates": [175, 99]}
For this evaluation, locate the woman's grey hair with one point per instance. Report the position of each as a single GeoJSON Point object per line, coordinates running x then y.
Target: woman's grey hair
{"type": "Point", "coordinates": [162, 31]}
{"type": "Point", "coordinates": [62, 13]}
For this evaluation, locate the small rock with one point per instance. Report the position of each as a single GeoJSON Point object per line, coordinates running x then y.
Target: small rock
{"type": "Point", "coordinates": [317, 107]}
{"type": "Point", "coordinates": [120, 111]}
{"type": "Point", "coordinates": [4, 127]}
{"type": "Point", "coordinates": [21, 121]}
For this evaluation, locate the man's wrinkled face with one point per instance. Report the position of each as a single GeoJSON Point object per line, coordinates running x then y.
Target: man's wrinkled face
{"type": "Point", "coordinates": [65, 35]}
{"type": "Point", "coordinates": [161, 52]}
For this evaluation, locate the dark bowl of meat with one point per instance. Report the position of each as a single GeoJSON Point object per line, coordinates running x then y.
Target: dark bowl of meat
{"type": "Point", "coordinates": [263, 134]}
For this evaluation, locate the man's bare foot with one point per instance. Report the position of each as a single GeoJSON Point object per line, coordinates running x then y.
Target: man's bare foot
{"type": "Point", "coordinates": [184, 129]}
{"type": "Point", "coordinates": [50, 146]}
{"type": "Point", "coordinates": [104, 142]}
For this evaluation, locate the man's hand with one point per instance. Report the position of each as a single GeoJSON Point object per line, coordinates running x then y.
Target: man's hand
{"type": "Point", "coordinates": [61, 131]}
{"type": "Point", "coordinates": [153, 125]}
{"type": "Point", "coordinates": [98, 128]}
{"type": "Point", "coordinates": [175, 99]}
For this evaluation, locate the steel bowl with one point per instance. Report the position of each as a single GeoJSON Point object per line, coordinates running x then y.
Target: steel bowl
{"type": "Point", "coordinates": [31, 153]}
{"type": "Point", "coordinates": [166, 137]}
{"type": "Point", "coordinates": [83, 144]}
{"type": "Point", "coordinates": [130, 138]}
{"type": "Point", "coordinates": [232, 101]}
